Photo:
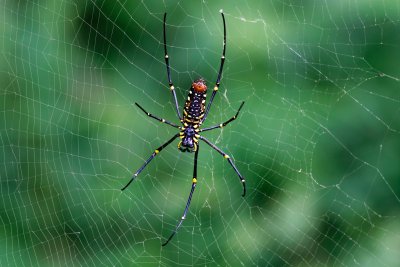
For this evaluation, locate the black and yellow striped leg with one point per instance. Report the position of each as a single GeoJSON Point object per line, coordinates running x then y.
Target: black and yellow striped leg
{"type": "Point", "coordinates": [157, 118]}
{"type": "Point", "coordinates": [221, 66]}
{"type": "Point", "coordinates": [230, 162]}
{"type": "Point", "coordinates": [225, 123]}
{"type": "Point", "coordinates": [171, 85]}
{"type": "Point", "coordinates": [158, 150]}
{"type": "Point", "coordinates": [194, 182]}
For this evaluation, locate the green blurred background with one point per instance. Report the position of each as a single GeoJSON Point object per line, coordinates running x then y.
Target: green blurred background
{"type": "Point", "coordinates": [318, 138]}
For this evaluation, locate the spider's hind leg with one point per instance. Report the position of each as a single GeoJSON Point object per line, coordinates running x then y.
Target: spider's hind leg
{"type": "Point", "coordinates": [226, 156]}
{"type": "Point", "coordinates": [194, 183]}
{"type": "Point", "coordinates": [158, 150]}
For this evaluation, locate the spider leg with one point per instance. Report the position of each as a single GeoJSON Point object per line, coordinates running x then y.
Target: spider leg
{"type": "Point", "coordinates": [171, 85]}
{"type": "Point", "coordinates": [157, 118]}
{"type": "Point", "coordinates": [216, 87]}
{"type": "Point", "coordinates": [224, 123]}
{"type": "Point", "coordinates": [158, 150]}
{"type": "Point", "coordinates": [229, 160]}
{"type": "Point", "coordinates": [194, 182]}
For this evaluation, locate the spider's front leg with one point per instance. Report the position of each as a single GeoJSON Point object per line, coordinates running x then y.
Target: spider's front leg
{"type": "Point", "coordinates": [221, 67]}
{"type": "Point", "coordinates": [170, 83]}
{"type": "Point", "coordinates": [194, 183]}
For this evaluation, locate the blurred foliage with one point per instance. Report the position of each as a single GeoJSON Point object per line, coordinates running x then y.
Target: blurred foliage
{"type": "Point", "coordinates": [318, 139]}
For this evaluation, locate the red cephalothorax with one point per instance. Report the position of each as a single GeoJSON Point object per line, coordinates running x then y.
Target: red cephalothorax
{"type": "Point", "coordinates": [199, 86]}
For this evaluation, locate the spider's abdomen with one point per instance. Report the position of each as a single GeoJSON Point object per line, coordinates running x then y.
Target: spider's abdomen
{"type": "Point", "coordinates": [193, 112]}
{"type": "Point", "coordinates": [194, 108]}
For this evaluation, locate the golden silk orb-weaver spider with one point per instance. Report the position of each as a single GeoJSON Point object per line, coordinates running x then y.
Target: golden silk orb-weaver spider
{"type": "Point", "coordinates": [194, 114]}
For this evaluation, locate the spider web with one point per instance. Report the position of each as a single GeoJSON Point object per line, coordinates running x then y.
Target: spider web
{"type": "Point", "coordinates": [318, 139]}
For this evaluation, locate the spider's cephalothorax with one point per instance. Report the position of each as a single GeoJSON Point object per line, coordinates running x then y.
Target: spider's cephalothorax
{"type": "Point", "coordinates": [194, 114]}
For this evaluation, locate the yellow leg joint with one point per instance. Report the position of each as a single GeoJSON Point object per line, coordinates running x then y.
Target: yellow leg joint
{"type": "Point", "coordinates": [194, 180]}
{"type": "Point", "coordinates": [216, 88]}
{"type": "Point", "coordinates": [226, 156]}
{"type": "Point", "coordinates": [172, 87]}
{"type": "Point", "coordinates": [156, 151]}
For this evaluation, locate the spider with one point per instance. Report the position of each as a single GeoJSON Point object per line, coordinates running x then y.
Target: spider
{"type": "Point", "coordinates": [194, 114]}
